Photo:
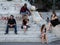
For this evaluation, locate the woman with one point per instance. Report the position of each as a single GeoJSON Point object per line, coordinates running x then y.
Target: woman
{"type": "Point", "coordinates": [25, 24]}
{"type": "Point", "coordinates": [53, 22]}
{"type": "Point", "coordinates": [54, 19]}
{"type": "Point", "coordinates": [43, 34]}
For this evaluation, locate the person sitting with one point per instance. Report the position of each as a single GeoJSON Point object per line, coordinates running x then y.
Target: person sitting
{"type": "Point", "coordinates": [54, 19]}
{"type": "Point", "coordinates": [25, 11]}
{"type": "Point", "coordinates": [43, 31]}
{"type": "Point", "coordinates": [11, 24]}
{"type": "Point", "coordinates": [25, 24]}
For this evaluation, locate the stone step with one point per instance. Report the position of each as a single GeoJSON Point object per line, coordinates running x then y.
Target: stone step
{"type": "Point", "coordinates": [19, 29]}
{"type": "Point", "coordinates": [27, 33]}
{"type": "Point", "coordinates": [33, 27]}
{"type": "Point", "coordinates": [22, 32]}
{"type": "Point", "coordinates": [24, 37]}
{"type": "Point", "coordinates": [12, 7]}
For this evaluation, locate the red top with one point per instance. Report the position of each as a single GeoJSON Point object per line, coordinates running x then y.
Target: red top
{"type": "Point", "coordinates": [23, 9]}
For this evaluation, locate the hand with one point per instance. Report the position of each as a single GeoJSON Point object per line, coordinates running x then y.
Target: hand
{"type": "Point", "coordinates": [11, 25]}
{"type": "Point", "coordinates": [14, 24]}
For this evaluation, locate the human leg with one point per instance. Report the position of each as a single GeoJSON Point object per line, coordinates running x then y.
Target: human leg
{"type": "Point", "coordinates": [7, 29]}
{"type": "Point", "coordinates": [15, 27]}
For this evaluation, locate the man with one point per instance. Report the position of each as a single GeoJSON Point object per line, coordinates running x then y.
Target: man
{"type": "Point", "coordinates": [25, 11]}
{"type": "Point", "coordinates": [11, 24]}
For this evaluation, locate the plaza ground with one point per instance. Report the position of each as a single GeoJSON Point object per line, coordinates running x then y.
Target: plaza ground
{"type": "Point", "coordinates": [31, 43]}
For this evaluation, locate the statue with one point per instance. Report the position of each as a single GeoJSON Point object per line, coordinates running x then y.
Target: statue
{"type": "Point", "coordinates": [36, 17]}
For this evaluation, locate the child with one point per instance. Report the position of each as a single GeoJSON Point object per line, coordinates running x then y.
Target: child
{"type": "Point", "coordinates": [47, 19]}
{"type": "Point", "coordinates": [25, 24]}
{"type": "Point", "coordinates": [43, 34]}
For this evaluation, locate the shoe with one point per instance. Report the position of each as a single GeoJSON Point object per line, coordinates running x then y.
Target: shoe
{"type": "Point", "coordinates": [6, 33]}
{"type": "Point", "coordinates": [16, 33]}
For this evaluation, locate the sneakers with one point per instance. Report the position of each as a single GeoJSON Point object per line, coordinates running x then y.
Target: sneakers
{"type": "Point", "coordinates": [16, 33]}
{"type": "Point", "coordinates": [6, 33]}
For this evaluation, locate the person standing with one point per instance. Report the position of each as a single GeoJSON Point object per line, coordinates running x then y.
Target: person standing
{"type": "Point", "coordinates": [11, 24]}
{"type": "Point", "coordinates": [43, 34]}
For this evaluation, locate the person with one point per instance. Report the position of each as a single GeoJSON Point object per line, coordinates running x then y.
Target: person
{"type": "Point", "coordinates": [31, 2]}
{"type": "Point", "coordinates": [47, 19]}
{"type": "Point", "coordinates": [11, 24]}
{"type": "Point", "coordinates": [54, 19]}
{"type": "Point", "coordinates": [25, 24]}
{"type": "Point", "coordinates": [43, 34]}
{"type": "Point", "coordinates": [25, 11]}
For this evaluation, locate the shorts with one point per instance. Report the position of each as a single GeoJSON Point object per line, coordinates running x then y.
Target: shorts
{"type": "Point", "coordinates": [24, 26]}
{"type": "Point", "coordinates": [24, 13]}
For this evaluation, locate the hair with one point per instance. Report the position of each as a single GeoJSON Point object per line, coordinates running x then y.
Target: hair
{"type": "Point", "coordinates": [12, 15]}
{"type": "Point", "coordinates": [42, 27]}
{"type": "Point", "coordinates": [25, 4]}
{"type": "Point", "coordinates": [54, 13]}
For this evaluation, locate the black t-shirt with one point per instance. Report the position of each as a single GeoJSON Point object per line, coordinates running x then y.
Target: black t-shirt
{"type": "Point", "coordinates": [11, 21]}
{"type": "Point", "coordinates": [55, 22]}
{"type": "Point", "coordinates": [24, 22]}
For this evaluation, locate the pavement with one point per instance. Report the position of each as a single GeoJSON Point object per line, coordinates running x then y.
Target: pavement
{"type": "Point", "coordinates": [30, 43]}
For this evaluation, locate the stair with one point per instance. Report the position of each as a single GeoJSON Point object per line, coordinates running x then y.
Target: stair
{"type": "Point", "coordinates": [31, 35]}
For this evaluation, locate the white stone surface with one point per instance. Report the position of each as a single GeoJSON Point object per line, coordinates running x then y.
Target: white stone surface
{"type": "Point", "coordinates": [37, 18]}
{"type": "Point", "coordinates": [32, 34]}
{"type": "Point", "coordinates": [56, 31]}
{"type": "Point", "coordinates": [21, 37]}
{"type": "Point", "coordinates": [12, 7]}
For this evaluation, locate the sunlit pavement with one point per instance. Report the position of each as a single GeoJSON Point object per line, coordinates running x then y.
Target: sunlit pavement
{"type": "Point", "coordinates": [31, 43]}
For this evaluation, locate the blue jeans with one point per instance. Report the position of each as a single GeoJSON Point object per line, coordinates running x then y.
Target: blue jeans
{"type": "Point", "coordinates": [7, 29]}
{"type": "Point", "coordinates": [24, 13]}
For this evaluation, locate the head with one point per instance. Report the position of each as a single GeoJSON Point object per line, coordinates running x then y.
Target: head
{"type": "Point", "coordinates": [25, 5]}
{"type": "Point", "coordinates": [54, 14]}
{"type": "Point", "coordinates": [42, 27]}
{"type": "Point", "coordinates": [11, 17]}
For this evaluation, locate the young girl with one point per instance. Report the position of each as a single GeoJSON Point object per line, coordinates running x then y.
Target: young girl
{"type": "Point", "coordinates": [43, 34]}
{"type": "Point", "coordinates": [25, 24]}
